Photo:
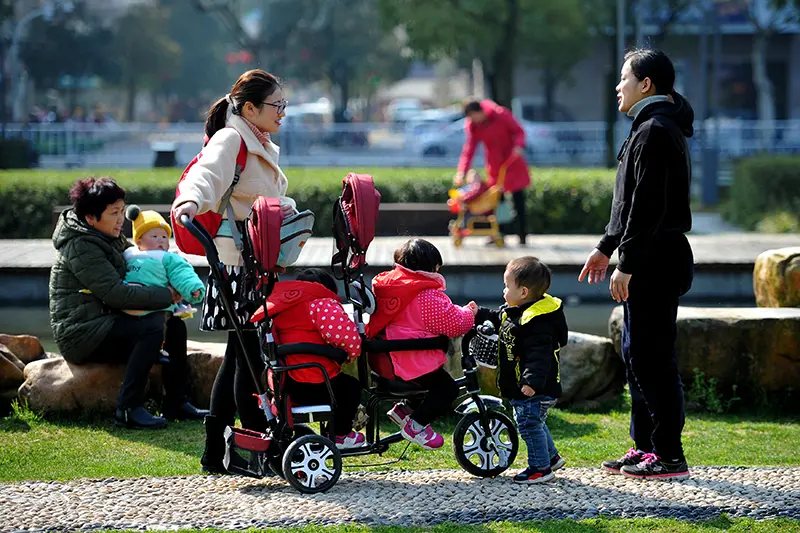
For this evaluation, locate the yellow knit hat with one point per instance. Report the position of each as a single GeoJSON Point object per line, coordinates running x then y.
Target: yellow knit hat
{"type": "Point", "coordinates": [144, 221]}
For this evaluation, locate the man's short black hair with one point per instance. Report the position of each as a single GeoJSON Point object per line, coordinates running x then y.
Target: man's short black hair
{"type": "Point", "coordinates": [653, 64]}
{"type": "Point", "coordinates": [91, 196]}
{"type": "Point", "coordinates": [321, 276]}
{"type": "Point", "coordinates": [532, 274]}
{"type": "Point", "coordinates": [471, 106]}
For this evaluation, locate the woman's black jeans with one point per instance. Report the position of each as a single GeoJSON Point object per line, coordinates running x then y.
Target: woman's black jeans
{"type": "Point", "coordinates": [137, 340]}
{"type": "Point", "coordinates": [234, 388]}
{"type": "Point", "coordinates": [519, 224]}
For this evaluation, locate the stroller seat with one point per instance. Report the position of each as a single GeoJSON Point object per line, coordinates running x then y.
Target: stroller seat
{"type": "Point", "coordinates": [306, 414]}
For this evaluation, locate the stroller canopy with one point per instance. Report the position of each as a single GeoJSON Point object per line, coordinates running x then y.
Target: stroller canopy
{"type": "Point", "coordinates": [354, 218]}
{"type": "Point", "coordinates": [264, 231]}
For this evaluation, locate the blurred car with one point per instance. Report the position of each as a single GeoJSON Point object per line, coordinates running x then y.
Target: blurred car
{"type": "Point", "coordinates": [431, 120]}
{"type": "Point", "coordinates": [402, 110]}
{"type": "Point", "coordinates": [540, 138]}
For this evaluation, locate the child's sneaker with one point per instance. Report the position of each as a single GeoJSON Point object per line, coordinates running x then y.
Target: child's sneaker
{"type": "Point", "coordinates": [633, 457]}
{"type": "Point", "coordinates": [532, 475]}
{"type": "Point", "coordinates": [351, 440]}
{"type": "Point", "coordinates": [654, 467]}
{"type": "Point", "coordinates": [398, 414]}
{"type": "Point", "coordinates": [557, 462]}
{"type": "Point", "coordinates": [426, 437]}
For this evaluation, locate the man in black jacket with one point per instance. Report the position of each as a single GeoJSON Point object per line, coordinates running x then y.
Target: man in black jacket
{"type": "Point", "coordinates": [532, 331]}
{"type": "Point", "coordinates": [649, 217]}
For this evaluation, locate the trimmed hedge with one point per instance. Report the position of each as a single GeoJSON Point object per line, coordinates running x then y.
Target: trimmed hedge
{"type": "Point", "coordinates": [562, 201]}
{"type": "Point", "coordinates": [764, 188]}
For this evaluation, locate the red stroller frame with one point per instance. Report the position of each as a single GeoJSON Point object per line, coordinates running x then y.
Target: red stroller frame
{"type": "Point", "coordinates": [484, 435]}
{"type": "Point", "coordinates": [309, 462]}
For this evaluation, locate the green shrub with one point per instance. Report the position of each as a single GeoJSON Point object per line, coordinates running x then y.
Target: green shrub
{"type": "Point", "coordinates": [781, 222]}
{"type": "Point", "coordinates": [561, 200]}
{"type": "Point", "coordinates": [16, 153]}
{"type": "Point", "coordinates": [763, 185]}
{"type": "Point", "coordinates": [703, 395]}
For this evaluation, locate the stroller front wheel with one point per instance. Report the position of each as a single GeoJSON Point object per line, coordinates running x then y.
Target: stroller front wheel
{"type": "Point", "coordinates": [482, 454]}
{"type": "Point", "coordinates": [312, 464]}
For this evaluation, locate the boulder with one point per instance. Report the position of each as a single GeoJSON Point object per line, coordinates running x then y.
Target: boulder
{"type": "Point", "coordinates": [11, 369]}
{"type": "Point", "coordinates": [56, 385]}
{"type": "Point", "coordinates": [204, 360]}
{"type": "Point", "coordinates": [776, 278]}
{"type": "Point", "coordinates": [27, 348]}
{"type": "Point", "coordinates": [590, 369]}
{"type": "Point", "coordinates": [756, 349]}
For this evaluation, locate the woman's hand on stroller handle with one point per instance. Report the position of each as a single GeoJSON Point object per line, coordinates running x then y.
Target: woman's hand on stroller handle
{"type": "Point", "coordinates": [186, 209]}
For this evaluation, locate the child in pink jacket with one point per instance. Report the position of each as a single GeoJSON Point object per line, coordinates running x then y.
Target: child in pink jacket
{"type": "Point", "coordinates": [411, 304]}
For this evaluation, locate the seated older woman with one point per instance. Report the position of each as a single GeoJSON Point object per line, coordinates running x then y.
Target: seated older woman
{"type": "Point", "coordinates": [87, 294]}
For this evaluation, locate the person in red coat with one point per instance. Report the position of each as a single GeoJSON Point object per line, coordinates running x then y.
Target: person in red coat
{"type": "Point", "coordinates": [308, 310]}
{"type": "Point", "coordinates": [502, 138]}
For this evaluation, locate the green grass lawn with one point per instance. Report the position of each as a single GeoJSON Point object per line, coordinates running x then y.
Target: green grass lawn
{"type": "Point", "coordinates": [31, 448]}
{"type": "Point", "coordinates": [600, 525]}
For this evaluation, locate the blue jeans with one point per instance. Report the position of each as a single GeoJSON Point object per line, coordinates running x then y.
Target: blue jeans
{"type": "Point", "coordinates": [531, 415]}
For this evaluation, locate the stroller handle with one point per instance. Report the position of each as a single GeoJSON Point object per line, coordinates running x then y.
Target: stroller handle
{"type": "Point", "coordinates": [201, 234]}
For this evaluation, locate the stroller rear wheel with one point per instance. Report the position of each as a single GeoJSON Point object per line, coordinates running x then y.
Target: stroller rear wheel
{"type": "Point", "coordinates": [312, 464]}
{"type": "Point", "coordinates": [482, 454]}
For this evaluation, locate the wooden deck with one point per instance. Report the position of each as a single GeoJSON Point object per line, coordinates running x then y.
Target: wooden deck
{"type": "Point", "coordinates": [562, 252]}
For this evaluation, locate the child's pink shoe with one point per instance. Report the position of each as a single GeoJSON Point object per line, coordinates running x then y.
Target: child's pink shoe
{"type": "Point", "coordinates": [427, 437]}
{"type": "Point", "coordinates": [398, 414]}
{"type": "Point", "coordinates": [351, 440]}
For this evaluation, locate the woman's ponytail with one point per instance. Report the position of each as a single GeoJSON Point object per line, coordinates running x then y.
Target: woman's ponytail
{"type": "Point", "coordinates": [217, 116]}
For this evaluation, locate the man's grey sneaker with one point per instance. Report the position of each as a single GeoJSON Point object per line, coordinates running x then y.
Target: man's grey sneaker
{"type": "Point", "coordinates": [633, 457]}
{"type": "Point", "coordinates": [653, 467]}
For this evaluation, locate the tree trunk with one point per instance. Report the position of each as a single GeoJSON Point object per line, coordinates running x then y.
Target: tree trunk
{"type": "Point", "coordinates": [550, 83]}
{"type": "Point", "coordinates": [765, 97]}
{"type": "Point", "coordinates": [505, 57]}
{"type": "Point", "coordinates": [130, 105]}
{"type": "Point", "coordinates": [611, 110]}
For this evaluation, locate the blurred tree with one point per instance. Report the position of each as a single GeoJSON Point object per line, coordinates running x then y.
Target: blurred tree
{"type": "Point", "coordinates": [769, 17]}
{"type": "Point", "coordinates": [204, 44]}
{"type": "Point", "coordinates": [549, 34]}
{"type": "Point", "coordinates": [144, 51]}
{"type": "Point", "coordinates": [340, 41]}
{"type": "Point", "coordinates": [74, 45]}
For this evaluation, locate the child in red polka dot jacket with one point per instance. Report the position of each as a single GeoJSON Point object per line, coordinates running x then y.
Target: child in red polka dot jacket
{"type": "Point", "coordinates": [411, 304]}
{"type": "Point", "coordinates": [309, 310]}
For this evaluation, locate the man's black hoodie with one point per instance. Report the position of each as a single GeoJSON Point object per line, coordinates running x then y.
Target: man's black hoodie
{"type": "Point", "coordinates": [652, 190]}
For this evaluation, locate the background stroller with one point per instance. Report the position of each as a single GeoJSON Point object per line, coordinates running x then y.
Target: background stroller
{"type": "Point", "coordinates": [485, 440]}
{"type": "Point", "coordinates": [477, 212]}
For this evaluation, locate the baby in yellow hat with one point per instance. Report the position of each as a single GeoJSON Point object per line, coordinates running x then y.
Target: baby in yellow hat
{"type": "Point", "coordinates": [150, 262]}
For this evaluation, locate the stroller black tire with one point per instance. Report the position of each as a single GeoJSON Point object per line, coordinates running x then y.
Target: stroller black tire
{"type": "Point", "coordinates": [276, 459]}
{"type": "Point", "coordinates": [312, 464]}
{"type": "Point", "coordinates": [472, 448]}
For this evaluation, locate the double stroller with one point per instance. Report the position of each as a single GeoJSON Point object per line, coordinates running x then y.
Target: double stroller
{"type": "Point", "coordinates": [485, 440]}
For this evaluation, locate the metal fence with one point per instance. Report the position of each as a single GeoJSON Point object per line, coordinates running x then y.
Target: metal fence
{"type": "Point", "coordinates": [565, 144]}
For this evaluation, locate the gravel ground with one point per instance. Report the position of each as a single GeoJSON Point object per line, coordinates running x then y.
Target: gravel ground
{"type": "Point", "coordinates": [396, 497]}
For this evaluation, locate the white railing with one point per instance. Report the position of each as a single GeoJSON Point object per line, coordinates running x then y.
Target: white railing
{"type": "Point", "coordinates": [570, 144]}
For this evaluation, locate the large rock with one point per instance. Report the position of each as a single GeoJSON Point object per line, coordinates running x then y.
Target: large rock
{"type": "Point", "coordinates": [756, 349]}
{"type": "Point", "coordinates": [11, 369]}
{"type": "Point", "coordinates": [590, 369]}
{"type": "Point", "coordinates": [27, 348]}
{"type": "Point", "coordinates": [55, 385]}
{"type": "Point", "coordinates": [776, 278]}
{"type": "Point", "coordinates": [204, 360]}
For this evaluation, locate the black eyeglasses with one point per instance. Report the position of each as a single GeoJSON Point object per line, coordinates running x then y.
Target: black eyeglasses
{"type": "Point", "coordinates": [279, 106]}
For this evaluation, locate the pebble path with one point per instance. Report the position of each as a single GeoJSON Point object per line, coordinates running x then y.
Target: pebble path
{"type": "Point", "coordinates": [395, 497]}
